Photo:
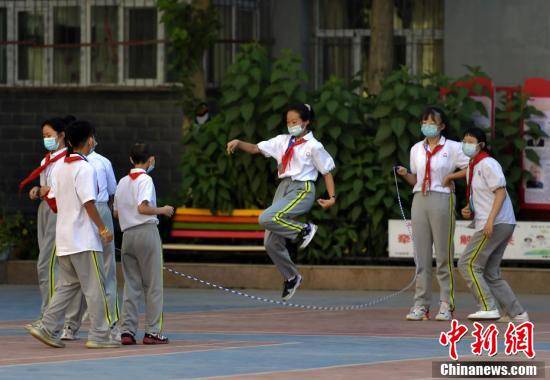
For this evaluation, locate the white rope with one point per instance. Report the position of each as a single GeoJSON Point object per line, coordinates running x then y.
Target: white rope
{"type": "Point", "coordinates": [314, 307]}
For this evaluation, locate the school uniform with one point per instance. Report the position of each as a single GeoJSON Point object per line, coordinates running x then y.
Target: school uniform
{"type": "Point", "coordinates": [106, 185]}
{"type": "Point", "coordinates": [141, 253]}
{"type": "Point", "coordinates": [78, 250]}
{"type": "Point", "coordinates": [299, 164]}
{"type": "Point", "coordinates": [480, 262]}
{"type": "Point", "coordinates": [46, 221]}
{"type": "Point", "coordinates": [433, 217]}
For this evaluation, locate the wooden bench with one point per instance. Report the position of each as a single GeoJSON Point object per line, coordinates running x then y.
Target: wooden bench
{"type": "Point", "coordinates": [239, 226]}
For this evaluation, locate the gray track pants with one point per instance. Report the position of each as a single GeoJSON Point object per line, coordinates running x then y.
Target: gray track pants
{"type": "Point", "coordinates": [142, 267]}
{"type": "Point", "coordinates": [47, 263]}
{"type": "Point", "coordinates": [433, 225]}
{"type": "Point", "coordinates": [480, 267]}
{"type": "Point", "coordinates": [292, 199]}
{"type": "Point", "coordinates": [80, 272]}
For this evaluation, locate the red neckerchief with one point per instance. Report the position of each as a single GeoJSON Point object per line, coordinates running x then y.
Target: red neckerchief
{"type": "Point", "coordinates": [471, 166]}
{"type": "Point", "coordinates": [36, 172]}
{"type": "Point", "coordinates": [427, 183]}
{"type": "Point", "coordinates": [287, 157]}
{"type": "Point", "coordinates": [135, 175]}
{"type": "Point", "coordinates": [70, 159]}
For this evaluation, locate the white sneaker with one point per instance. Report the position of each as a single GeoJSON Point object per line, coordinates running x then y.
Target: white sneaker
{"type": "Point", "coordinates": [69, 334]}
{"type": "Point", "coordinates": [418, 313]}
{"type": "Point", "coordinates": [115, 334]}
{"type": "Point", "coordinates": [483, 315]}
{"type": "Point", "coordinates": [444, 312]}
{"type": "Point", "coordinates": [308, 237]}
{"type": "Point", "coordinates": [520, 318]}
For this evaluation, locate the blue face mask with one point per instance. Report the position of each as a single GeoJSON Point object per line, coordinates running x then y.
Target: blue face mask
{"type": "Point", "coordinates": [295, 130]}
{"type": "Point", "coordinates": [469, 149]}
{"type": "Point", "coordinates": [429, 130]}
{"type": "Point", "coordinates": [51, 143]}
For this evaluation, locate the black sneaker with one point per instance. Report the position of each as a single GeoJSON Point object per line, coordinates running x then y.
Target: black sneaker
{"type": "Point", "coordinates": [290, 286]}
{"type": "Point", "coordinates": [307, 235]}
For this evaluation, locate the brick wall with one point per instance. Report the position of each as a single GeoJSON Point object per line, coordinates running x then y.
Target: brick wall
{"type": "Point", "coordinates": [120, 117]}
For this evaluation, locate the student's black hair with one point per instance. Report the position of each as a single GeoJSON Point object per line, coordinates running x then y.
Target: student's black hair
{"type": "Point", "coordinates": [58, 124]}
{"type": "Point", "coordinates": [304, 110]}
{"type": "Point", "coordinates": [77, 133]}
{"type": "Point", "coordinates": [139, 153]}
{"type": "Point", "coordinates": [479, 134]}
{"type": "Point", "coordinates": [437, 113]}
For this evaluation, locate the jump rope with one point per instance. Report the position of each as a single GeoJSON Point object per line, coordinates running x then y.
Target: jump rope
{"type": "Point", "coordinates": [365, 305]}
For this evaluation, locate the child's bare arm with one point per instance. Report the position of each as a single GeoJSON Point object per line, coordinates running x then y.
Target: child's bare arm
{"type": "Point", "coordinates": [145, 209]}
{"type": "Point", "coordinates": [244, 146]}
{"type": "Point", "coordinates": [106, 235]}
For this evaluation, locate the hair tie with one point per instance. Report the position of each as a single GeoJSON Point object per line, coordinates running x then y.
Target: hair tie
{"type": "Point", "coordinates": [307, 106]}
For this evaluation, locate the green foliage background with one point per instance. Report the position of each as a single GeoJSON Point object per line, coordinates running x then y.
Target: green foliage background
{"type": "Point", "coordinates": [367, 136]}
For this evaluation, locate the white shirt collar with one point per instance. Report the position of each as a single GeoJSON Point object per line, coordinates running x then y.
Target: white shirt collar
{"type": "Point", "coordinates": [137, 170]}
{"type": "Point", "coordinates": [55, 154]}
{"type": "Point", "coordinates": [441, 141]}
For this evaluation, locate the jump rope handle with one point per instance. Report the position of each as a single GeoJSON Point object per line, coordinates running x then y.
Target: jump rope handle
{"type": "Point", "coordinates": [396, 166]}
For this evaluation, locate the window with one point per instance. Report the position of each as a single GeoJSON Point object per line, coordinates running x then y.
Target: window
{"type": "Point", "coordinates": [30, 54]}
{"type": "Point", "coordinates": [66, 39]}
{"type": "Point", "coordinates": [141, 49]}
{"type": "Point", "coordinates": [239, 21]}
{"type": "Point", "coordinates": [343, 37]}
{"type": "Point", "coordinates": [104, 49]}
{"type": "Point", "coordinates": [3, 47]}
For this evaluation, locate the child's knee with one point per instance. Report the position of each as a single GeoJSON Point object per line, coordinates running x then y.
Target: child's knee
{"type": "Point", "coordinates": [463, 267]}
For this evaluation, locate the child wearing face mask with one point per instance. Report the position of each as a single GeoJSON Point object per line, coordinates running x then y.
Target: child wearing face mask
{"type": "Point", "coordinates": [106, 187]}
{"type": "Point", "coordinates": [78, 236]}
{"type": "Point", "coordinates": [489, 205]}
{"type": "Point", "coordinates": [53, 132]}
{"type": "Point", "coordinates": [300, 158]}
{"type": "Point", "coordinates": [136, 208]}
{"type": "Point", "coordinates": [434, 161]}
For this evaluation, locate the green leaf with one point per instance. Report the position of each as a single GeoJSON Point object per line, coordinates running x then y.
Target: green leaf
{"type": "Point", "coordinates": [240, 81]}
{"type": "Point", "coordinates": [532, 156]}
{"type": "Point", "coordinates": [247, 110]}
{"type": "Point", "coordinates": [289, 87]}
{"type": "Point", "coordinates": [334, 132]}
{"type": "Point", "coordinates": [230, 97]}
{"type": "Point", "coordinates": [325, 96]}
{"type": "Point", "coordinates": [381, 111]}
{"type": "Point", "coordinates": [343, 115]}
{"type": "Point", "coordinates": [401, 104]}
{"type": "Point", "coordinates": [322, 121]}
{"type": "Point", "coordinates": [386, 150]}
{"type": "Point", "coordinates": [278, 102]}
{"type": "Point", "coordinates": [273, 121]}
{"type": "Point", "coordinates": [357, 185]}
{"type": "Point", "coordinates": [232, 114]}
{"type": "Point", "coordinates": [386, 95]}
{"type": "Point", "coordinates": [332, 105]}
{"type": "Point", "coordinates": [254, 90]}
{"type": "Point", "coordinates": [383, 132]}
{"type": "Point", "coordinates": [398, 125]}
{"type": "Point", "coordinates": [398, 89]}
{"type": "Point", "coordinates": [348, 141]}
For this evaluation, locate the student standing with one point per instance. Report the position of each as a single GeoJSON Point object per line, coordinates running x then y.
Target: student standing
{"type": "Point", "coordinates": [490, 206]}
{"type": "Point", "coordinates": [300, 158]}
{"type": "Point", "coordinates": [136, 208]}
{"type": "Point", "coordinates": [106, 184]}
{"type": "Point", "coordinates": [53, 132]}
{"type": "Point", "coordinates": [433, 162]}
{"type": "Point", "coordinates": [78, 231]}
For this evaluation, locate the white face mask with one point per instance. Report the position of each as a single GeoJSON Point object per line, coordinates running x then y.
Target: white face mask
{"type": "Point", "coordinates": [295, 130]}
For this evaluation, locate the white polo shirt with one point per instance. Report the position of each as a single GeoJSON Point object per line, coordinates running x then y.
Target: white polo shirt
{"type": "Point", "coordinates": [445, 162]}
{"type": "Point", "coordinates": [106, 181]}
{"type": "Point", "coordinates": [46, 175]}
{"type": "Point", "coordinates": [309, 159]}
{"type": "Point", "coordinates": [487, 178]}
{"type": "Point", "coordinates": [73, 185]}
{"type": "Point", "coordinates": [130, 193]}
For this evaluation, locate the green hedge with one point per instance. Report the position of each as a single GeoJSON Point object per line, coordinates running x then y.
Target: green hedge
{"type": "Point", "coordinates": [366, 135]}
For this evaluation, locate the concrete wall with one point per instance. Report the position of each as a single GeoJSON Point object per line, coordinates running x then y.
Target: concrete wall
{"type": "Point", "coordinates": [342, 277]}
{"type": "Point", "coordinates": [509, 39]}
{"type": "Point", "coordinates": [120, 117]}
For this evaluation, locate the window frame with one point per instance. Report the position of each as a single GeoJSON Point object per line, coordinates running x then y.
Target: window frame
{"type": "Point", "coordinates": [415, 39]}
{"type": "Point", "coordinates": [47, 8]}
